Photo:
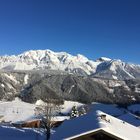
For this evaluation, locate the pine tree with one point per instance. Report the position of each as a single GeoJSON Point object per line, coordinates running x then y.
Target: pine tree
{"type": "Point", "coordinates": [74, 112]}
{"type": "Point", "coordinates": [82, 111]}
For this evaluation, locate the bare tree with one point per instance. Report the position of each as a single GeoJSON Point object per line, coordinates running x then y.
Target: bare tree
{"type": "Point", "coordinates": [47, 111]}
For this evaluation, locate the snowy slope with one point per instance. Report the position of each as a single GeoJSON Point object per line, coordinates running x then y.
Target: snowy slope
{"type": "Point", "coordinates": [79, 64]}
{"type": "Point", "coordinates": [20, 111]}
{"type": "Point", "coordinates": [16, 111]}
{"type": "Point", "coordinates": [67, 106]}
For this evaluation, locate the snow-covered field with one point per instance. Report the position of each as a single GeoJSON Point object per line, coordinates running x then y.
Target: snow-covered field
{"type": "Point", "coordinates": [66, 108]}
{"type": "Point", "coordinates": [18, 110]}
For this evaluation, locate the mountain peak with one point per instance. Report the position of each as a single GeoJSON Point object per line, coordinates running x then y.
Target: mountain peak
{"type": "Point", "coordinates": [79, 64]}
{"type": "Point", "coordinates": [103, 59]}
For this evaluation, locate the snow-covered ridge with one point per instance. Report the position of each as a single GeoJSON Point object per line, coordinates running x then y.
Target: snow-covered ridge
{"type": "Point", "coordinates": [46, 59]}
{"type": "Point", "coordinates": [79, 64]}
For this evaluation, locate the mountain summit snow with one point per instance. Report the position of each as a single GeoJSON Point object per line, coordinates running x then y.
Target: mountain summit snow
{"type": "Point", "coordinates": [79, 64]}
{"type": "Point", "coordinates": [42, 74]}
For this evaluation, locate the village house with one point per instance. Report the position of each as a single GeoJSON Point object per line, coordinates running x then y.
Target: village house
{"type": "Point", "coordinates": [37, 123]}
{"type": "Point", "coordinates": [96, 126]}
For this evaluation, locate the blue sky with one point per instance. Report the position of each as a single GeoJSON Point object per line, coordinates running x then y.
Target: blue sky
{"type": "Point", "coordinates": [93, 28]}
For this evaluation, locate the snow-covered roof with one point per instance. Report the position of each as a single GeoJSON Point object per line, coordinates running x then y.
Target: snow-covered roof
{"type": "Point", "coordinates": [134, 108]}
{"type": "Point", "coordinates": [131, 118]}
{"type": "Point", "coordinates": [60, 118]}
{"type": "Point", "coordinates": [111, 109]}
{"type": "Point", "coordinates": [92, 122]}
{"type": "Point", "coordinates": [11, 133]}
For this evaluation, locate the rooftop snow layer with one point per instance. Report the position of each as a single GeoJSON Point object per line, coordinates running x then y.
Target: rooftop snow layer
{"type": "Point", "coordinates": [130, 118]}
{"type": "Point", "coordinates": [92, 122]}
{"type": "Point", "coordinates": [11, 133]}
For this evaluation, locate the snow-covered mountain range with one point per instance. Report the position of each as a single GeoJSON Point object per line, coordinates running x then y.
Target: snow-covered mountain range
{"type": "Point", "coordinates": [43, 74]}
{"type": "Point", "coordinates": [79, 64]}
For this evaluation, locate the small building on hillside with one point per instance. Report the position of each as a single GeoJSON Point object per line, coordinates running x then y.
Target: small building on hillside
{"type": "Point", "coordinates": [96, 126]}
{"type": "Point", "coordinates": [37, 122]}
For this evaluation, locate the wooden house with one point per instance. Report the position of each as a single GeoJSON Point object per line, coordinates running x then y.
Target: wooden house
{"type": "Point", "coordinates": [96, 126]}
